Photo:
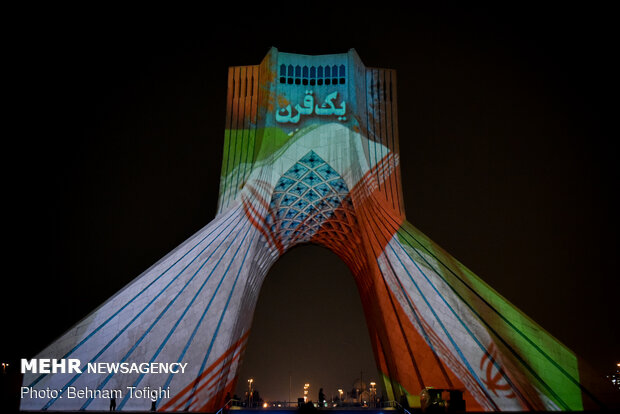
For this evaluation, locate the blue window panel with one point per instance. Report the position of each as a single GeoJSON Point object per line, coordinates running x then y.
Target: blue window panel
{"type": "Point", "coordinates": [312, 160]}
{"type": "Point", "coordinates": [334, 201]}
{"type": "Point", "coordinates": [311, 196]}
{"type": "Point", "coordinates": [339, 185]}
{"type": "Point", "coordinates": [301, 204]}
{"type": "Point", "coordinates": [311, 223]}
{"type": "Point", "coordinates": [296, 171]}
{"type": "Point", "coordinates": [322, 205]}
{"type": "Point", "coordinates": [323, 189]}
{"type": "Point", "coordinates": [287, 200]}
{"type": "Point", "coordinates": [283, 184]}
{"type": "Point", "coordinates": [289, 75]}
{"type": "Point", "coordinates": [311, 179]}
{"type": "Point", "coordinates": [327, 172]}
{"type": "Point", "coordinates": [297, 75]}
{"type": "Point", "coordinates": [298, 189]}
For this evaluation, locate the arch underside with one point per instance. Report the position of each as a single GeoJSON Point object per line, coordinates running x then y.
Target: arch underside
{"type": "Point", "coordinates": [431, 321]}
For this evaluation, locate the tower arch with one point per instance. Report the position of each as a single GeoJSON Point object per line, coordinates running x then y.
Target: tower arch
{"type": "Point", "coordinates": [308, 326]}
{"type": "Point", "coordinates": [309, 162]}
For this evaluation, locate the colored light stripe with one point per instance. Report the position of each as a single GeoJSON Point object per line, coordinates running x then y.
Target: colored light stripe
{"type": "Point", "coordinates": [368, 217]}
{"type": "Point", "coordinates": [63, 389]}
{"type": "Point", "coordinates": [198, 324]}
{"type": "Point", "coordinates": [505, 342]}
{"type": "Point", "coordinates": [204, 362]}
{"type": "Point", "coordinates": [93, 332]}
{"type": "Point", "coordinates": [161, 346]}
{"type": "Point", "coordinates": [521, 360]}
{"type": "Point", "coordinates": [158, 318]}
{"type": "Point", "coordinates": [452, 310]}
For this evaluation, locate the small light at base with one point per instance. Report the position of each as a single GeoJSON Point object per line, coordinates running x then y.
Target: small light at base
{"type": "Point", "coordinates": [265, 405]}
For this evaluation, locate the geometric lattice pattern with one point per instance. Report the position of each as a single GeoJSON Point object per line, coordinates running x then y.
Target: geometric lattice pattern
{"type": "Point", "coordinates": [305, 197]}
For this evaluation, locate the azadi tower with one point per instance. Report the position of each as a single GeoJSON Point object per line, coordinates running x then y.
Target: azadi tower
{"type": "Point", "coordinates": [311, 155]}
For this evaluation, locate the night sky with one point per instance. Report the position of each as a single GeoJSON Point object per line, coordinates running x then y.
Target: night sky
{"type": "Point", "coordinates": [112, 143]}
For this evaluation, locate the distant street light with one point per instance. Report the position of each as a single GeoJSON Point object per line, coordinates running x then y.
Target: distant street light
{"type": "Point", "coordinates": [250, 383]}
{"type": "Point", "coordinates": [373, 393]}
{"type": "Point", "coordinates": [341, 393]}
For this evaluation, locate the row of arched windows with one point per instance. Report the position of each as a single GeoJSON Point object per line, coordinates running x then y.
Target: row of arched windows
{"type": "Point", "coordinates": [313, 75]}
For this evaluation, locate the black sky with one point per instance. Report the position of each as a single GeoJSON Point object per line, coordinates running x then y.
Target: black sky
{"type": "Point", "coordinates": [113, 137]}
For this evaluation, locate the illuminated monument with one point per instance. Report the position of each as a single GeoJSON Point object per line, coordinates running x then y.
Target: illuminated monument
{"type": "Point", "coordinates": [311, 156]}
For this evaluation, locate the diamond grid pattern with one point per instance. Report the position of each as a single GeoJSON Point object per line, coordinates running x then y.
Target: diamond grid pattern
{"type": "Point", "coordinates": [305, 198]}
